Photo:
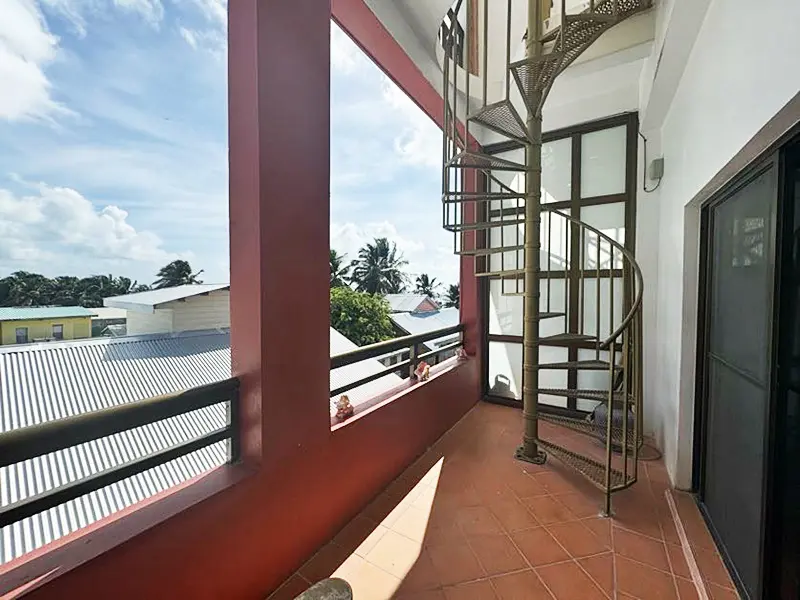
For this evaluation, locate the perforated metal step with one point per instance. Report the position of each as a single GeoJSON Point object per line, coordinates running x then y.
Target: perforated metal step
{"type": "Point", "coordinates": [560, 338]}
{"type": "Point", "coordinates": [551, 315]}
{"type": "Point", "coordinates": [598, 395]}
{"type": "Point", "coordinates": [589, 428]}
{"type": "Point", "coordinates": [584, 365]}
{"type": "Point", "coordinates": [501, 117]}
{"type": "Point", "coordinates": [477, 160]}
{"type": "Point", "coordinates": [593, 470]}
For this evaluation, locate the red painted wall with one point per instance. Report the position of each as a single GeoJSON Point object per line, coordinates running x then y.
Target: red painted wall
{"type": "Point", "coordinates": [243, 542]}
{"type": "Point", "coordinates": [308, 481]}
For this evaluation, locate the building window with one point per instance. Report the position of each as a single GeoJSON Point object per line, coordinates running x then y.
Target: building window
{"type": "Point", "coordinates": [22, 335]}
{"type": "Point", "coordinates": [58, 332]}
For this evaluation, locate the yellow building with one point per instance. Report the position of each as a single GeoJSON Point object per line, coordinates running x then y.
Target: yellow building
{"type": "Point", "coordinates": [22, 325]}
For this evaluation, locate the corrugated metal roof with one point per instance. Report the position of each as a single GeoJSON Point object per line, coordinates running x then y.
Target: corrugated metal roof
{"type": "Point", "coordinates": [415, 323]}
{"type": "Point", "coordinates": [147, 301]}
{"type": "Point", "coordinates": [23, 313]}
{"type": "Point", "coordinates": [405, 302]}
{"type": "Point", "coordinates": [44, 382]}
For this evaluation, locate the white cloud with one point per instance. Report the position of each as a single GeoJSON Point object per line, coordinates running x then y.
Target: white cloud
{"type": "Point", "coordinates": [26, 45]}
{"type": "Point", "coordinates": [151, 11]}
{"type": "Point", "coordinates": [346, 57]}
{"type": "Point", "coordinates": [215, 11]}
{"type": "Point", "coordinates": [74, 11]}
{"type": "Point", "coordinates": [211, 40]}
{"type": "Point", "coordinates": [60, 222]}
{"type": "Point", "coordinates": [420, 140]}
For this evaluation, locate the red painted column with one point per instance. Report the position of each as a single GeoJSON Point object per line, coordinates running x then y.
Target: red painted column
{"type": "Point", "coordinates": [279, 130]}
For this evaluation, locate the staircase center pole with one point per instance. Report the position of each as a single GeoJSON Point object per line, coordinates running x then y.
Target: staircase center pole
{"type": "Point", "coordinates": [529, 451]}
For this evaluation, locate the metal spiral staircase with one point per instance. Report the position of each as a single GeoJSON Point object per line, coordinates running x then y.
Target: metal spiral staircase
{"type": "Point", "coordinates": [493, 204]}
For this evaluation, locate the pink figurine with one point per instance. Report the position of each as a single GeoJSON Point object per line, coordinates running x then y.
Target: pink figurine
{"type": "Point", "coordinates": [344, 410]}
{"type": "Point", "coordinates": [423, 371]}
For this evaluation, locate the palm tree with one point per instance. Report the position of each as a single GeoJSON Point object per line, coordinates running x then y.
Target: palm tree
{"type": "Point", "coordinates": [22, 288]}
{"type": "Point", "coordinates": [378, 268]}
{"type": "Point", "coordinates": [340, 272]}
{"type": "Point", "coordinates": [452, 296]}
{"type": "Point", "coordinates": [427, 286]}
{"type": "Point", "coordinates": [178, 272]}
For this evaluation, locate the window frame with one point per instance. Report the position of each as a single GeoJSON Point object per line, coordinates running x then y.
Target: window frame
{"type": "Point", "coordinates": [574, 204]}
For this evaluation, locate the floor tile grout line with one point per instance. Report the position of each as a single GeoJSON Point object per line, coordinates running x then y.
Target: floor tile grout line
{"type": "Point", "coordinates": [694, 570]}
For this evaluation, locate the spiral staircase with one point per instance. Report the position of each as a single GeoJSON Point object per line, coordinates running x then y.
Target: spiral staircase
{"type": "Point", "coordinates": [493, 205]}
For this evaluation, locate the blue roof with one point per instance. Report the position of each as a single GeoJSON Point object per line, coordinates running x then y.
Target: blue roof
{"type": "Point", "coordinates": [23, 313]}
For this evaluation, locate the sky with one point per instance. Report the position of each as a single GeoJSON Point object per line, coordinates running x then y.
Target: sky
{"type": "Point", "coordinates": [113, 144]}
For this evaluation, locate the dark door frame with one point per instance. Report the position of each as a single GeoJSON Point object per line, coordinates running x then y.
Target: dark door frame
{"type": "Point", "coordinates": [744, 178]}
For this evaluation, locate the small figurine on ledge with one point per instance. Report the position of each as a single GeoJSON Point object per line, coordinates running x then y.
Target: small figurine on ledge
{"type": "Point", "coordinates": [423, 371]}
{"type": "Point", "coordinates": [344, 410]}
{"type": "Point", "coordinates": [461, 354]}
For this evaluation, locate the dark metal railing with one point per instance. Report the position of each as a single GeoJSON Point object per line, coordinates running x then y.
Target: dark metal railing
{"type": "Point", "coordinates": [411, 343]}
{"type": "Point", "coordinates": [452, 36]}
{"type": "Point", "coordinates": [37, 440]}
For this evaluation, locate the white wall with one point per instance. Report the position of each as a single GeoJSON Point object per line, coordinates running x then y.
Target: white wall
{"type": "Point", "coordinates": [159, 321]}
{"type": "Point", "coordinates": [742, 69]}
{"type": "Point", "coordinates": [212, 311]}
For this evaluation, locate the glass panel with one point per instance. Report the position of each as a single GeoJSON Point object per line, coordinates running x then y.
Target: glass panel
{"type": "Point", "coordinates": [505, 370]}
{"type": "Point", "coordinates": [742, 269]}
{"type": "Point", "coordinates": [610, 220]}
{"type": "Point", "coordinates": [555, 237]}
{"type": "Point", "coordinates": [734, 455]}
{"type": "Point", "coordinates": [603, 162]}
{"type": "Point", "coordinates": [505, 312]}
{"type": "Point", "coordinates": [557, 171]}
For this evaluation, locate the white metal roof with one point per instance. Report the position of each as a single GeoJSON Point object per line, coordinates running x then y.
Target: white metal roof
{"type": "Point", "coordinates": [43, 382]}
{"type": "Point", "coordinates": [148, 301]}
{"type": "Point", "coordinates": [415, 323]}
{"type": "Point", "coordinates": [406, 302]}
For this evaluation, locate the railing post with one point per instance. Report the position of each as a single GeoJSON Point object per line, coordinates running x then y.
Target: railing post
{"type": "Point", "coordinates": [235, 441]}
{"type": "Point", "coordinates": [412, 358]}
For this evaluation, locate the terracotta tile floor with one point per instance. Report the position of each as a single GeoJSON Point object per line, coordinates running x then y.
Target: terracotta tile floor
{"type": "Point", "coordinates": [466, 521]}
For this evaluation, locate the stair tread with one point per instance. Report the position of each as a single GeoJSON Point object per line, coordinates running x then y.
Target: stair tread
{"type": "Point", "coordinates": [598, 395]}
{"type": "Point", "coordinates": [567, 337]}
{"type": "Point", "coordinates": [551, 315]}
{"type": "Point", "coordinates": [590, 429]}
{"type": "Point", "coordinates": [589, 365]}
{"type": "Point", "coordinates": [593, 470]}
{"type": "Point", "coordinates": [478, 160]}
{"type": "Point", "coordinates": [502, 118]}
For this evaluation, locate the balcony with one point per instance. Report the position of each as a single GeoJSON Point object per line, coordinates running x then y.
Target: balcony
{"type": "Point", "coordinates": [468, 521]}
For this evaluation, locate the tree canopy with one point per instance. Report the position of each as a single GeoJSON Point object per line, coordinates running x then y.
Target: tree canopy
{"type": "Point", "coordinates": [427, 285]}
{"type": "Point", "coordinates": [178, 272]}
{"type": "Point", "coordinates": [340, 271]}
{"type": "Point", "coordinates": [23, 288]}
{"type": "Point", "coordinates": [361, 317]}
{"type": "Point", "coordinates": [452, 297]}
{"type": "Point", "coordinates": [379, 268]}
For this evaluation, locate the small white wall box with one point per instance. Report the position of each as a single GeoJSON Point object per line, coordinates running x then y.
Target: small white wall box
{"type": "Point", "coordinates": [656, 169]}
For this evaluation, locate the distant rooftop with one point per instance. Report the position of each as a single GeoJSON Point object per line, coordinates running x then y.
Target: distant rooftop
{"type": "Point", "coordinates": [148, 301]}
{"type": "Point", "coordinates": [408, 302]}
{"type": "Point", "coordinates": [40, 384]}
{"type": "Point", "coordinates": [106, 313]}
{"type": "Point", "coordinates": [43, 312]}
{"type": "Point", "coordinates": [423, 322]}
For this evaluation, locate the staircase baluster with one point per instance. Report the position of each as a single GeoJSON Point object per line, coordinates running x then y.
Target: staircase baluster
{"type": "Point", "coordinates": [549, 254]}
{"type": "Point", "coordinates": [485, 73]}
{"type": "Point", "coordinates": [597, 301]}
{"type": "Point", "coordinates": [609, 430]}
